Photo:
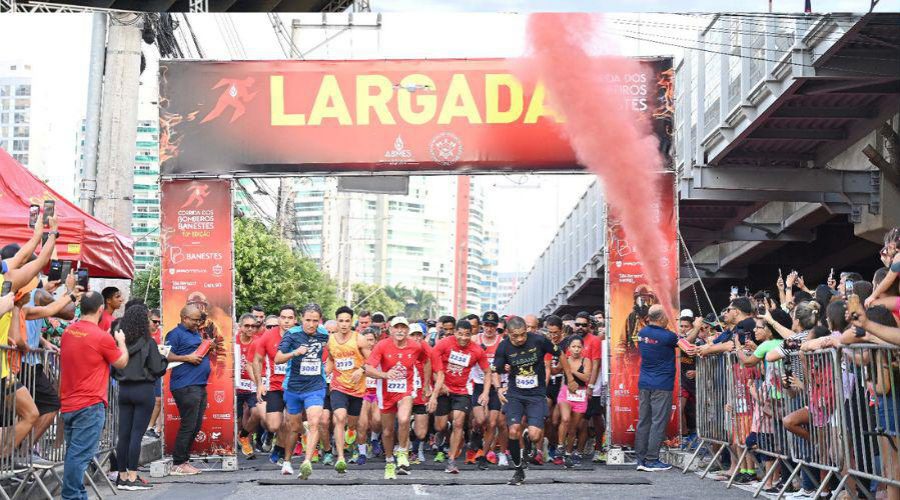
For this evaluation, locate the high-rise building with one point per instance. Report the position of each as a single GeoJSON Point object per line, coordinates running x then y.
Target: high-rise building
{"type": "Point", "coordinates": [15, 111]}
{"type": "Point", "coordinates": [508, 283]}
{"type": "Point", "coordinates": [395, 240]}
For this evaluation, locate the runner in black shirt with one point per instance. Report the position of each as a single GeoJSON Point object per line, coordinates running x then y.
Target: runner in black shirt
{"type": "Point", "coordinates": [522, 355]}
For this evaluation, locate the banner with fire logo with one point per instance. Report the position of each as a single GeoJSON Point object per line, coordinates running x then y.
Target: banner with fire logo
{"type": "Point", "coordinates": [629, 298]}
{"type": "Point", "coordinates": [251, 117]}
{"type": "Point", "coordinates": [198, 269]}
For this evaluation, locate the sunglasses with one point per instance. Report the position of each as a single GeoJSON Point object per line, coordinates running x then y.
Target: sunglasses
{"type": "Point", "coordinates": [155, 321]}
{"type": "Point", "coordinates": [272, 325]}
{"type": "Point", "coordinates": [581, 325]}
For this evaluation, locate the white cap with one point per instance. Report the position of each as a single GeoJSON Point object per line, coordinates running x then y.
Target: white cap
{"type": "Point", "coordinates": [399, 320]}
{"type": "Point", "coordinates": [415, 328]}
{"type": "Point", "coordinates": [687, 313]}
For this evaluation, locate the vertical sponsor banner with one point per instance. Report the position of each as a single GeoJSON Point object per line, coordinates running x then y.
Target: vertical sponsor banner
{"type": "Point", "coordinates": [198, 269]}
{"type": "Point", "coordinates": [629, 296]}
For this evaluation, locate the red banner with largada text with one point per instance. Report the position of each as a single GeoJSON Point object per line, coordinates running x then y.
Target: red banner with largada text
{"type": "Point", "coordinates": [197, 268]}
{"type": "Point", "coordinates": [629, 299]}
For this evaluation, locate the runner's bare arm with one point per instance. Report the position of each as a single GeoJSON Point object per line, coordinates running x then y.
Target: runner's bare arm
{"type": "Point", "coordinates": [282, 357]}
{"type": "Point", "coordinates": [26, 250]}
{"type": "Point", "coordinates": [584, 377]}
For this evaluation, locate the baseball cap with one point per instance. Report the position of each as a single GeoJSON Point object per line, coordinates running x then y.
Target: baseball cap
{"type": "Point", "coordinates": [711, 319]}
{"type": "Point", "coordinates": [414, 328]}
{"type": "Point", "coordinates": [490, 317]}
{"type": "Point", "coordinates": [687, 313]}
{"type": "Point", "coordinates": [378, 317]}
{"type": "Point", "coordinates": [399, 320]}
{"type": "Point", "coordinates": [746, 326]}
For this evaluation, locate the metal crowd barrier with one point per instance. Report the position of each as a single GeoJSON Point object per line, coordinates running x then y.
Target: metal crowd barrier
{"type": "Point", "coordinates": [873, 414]}
{"type": "Point", "coordinates": [852, 401]}
{"type": "Point", "coordinates": [18, 470]}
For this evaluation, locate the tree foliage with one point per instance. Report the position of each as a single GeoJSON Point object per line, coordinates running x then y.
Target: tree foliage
{"type": "Point", "coordinates": [372, 298]}
{"type": "Point", "coordinates": [269, 273]}
{"type": "Point", "coordinates": [145, 285]}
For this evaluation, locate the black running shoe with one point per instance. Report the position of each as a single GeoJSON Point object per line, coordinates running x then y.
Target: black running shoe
{"type": "Point", "coordinates": [481, 463]}
{"type": "Point", "coordinates": [518, 477]}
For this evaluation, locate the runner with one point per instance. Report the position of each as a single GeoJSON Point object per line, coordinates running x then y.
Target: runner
{"type": "Point", "coordinates": [458, 355]}
{"type": "Point", "coordinates": [370, 417]}
{"type": "Point", "coordinates": [573, 404]}
{"type": "Point", "coordinates": [325, 427]}
{"type": "Point", "coordinates": [304, 383]}
{"type": "Point", "coordinates": [393, 361]}
{"type": "Point", "coordinates": [423, 388]}
{"type": "Point", "coordinates": [485, 418]}
{"type": "Point", "coordinates": [246, 387]}
{"type": "Point", "coordinates": [270, 391]}
{"type": "Point", "coordinates": [522, 355]}
{"type": "Point", "coordinates": [554, 379]}
{"type": "Point", "coordinates": [259, 314]}
{"type": "Point", "coordinates": [347, 354]}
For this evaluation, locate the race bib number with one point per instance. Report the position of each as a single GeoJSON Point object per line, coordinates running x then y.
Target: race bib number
{"type": "Point", "coordinates": [344, 364]}
{"type": "Point", "coordinates": [459, 358]}
{"type": "Point", "coordinates": [281, 369]}
{"type": "Point", "coordinates": [526, 381]}
{"type": "Point", "coordinates": [579, 396]}
{"type": "Point", "coordinates": [311, 367]}
{"type": "Point", "coordinates": [397, 386]}
{"type": "Point", "coordinates": [417, 381]}
{"type": "Point", "coordinates": [371, 383]}
{"type": "Point", "coordinates": [246, 385]}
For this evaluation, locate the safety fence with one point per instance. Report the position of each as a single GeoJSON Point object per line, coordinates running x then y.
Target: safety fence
{"type": "Point", "coordinates": [826, 414]}
{"type": "Point", "coordinates": [28, 461]}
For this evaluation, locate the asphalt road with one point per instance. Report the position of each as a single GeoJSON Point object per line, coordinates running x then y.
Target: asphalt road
{"type": "Point", "coordinates": [429, 480]}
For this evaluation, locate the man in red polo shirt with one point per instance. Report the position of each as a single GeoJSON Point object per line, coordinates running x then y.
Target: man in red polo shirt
{"type": "Point", "coordinates": [86, 352]}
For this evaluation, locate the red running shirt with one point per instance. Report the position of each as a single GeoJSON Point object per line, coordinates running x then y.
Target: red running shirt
{"type": "Point", "coordinates": [386, 355]}
{"type": "Point", "coordinates": [267, 347]}
{"type": "Point", "coordinates": [458, 362]}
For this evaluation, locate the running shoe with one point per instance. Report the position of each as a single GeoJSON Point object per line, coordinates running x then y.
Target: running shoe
{"type": "Point", "coordinates": [305, 470]}
{"type": "Point", "coordinates": [440, 457]}
{"type": "Point", "coordinates": [246, 447]}
{"type": "Point", "coordinates": [298, 449]}
{"type": "Point", "coordinates": [287, 469]}
{"type": "Point", "coordinates": [451, 468]}
{"type": "Point", "coordinates": [537, 458]}
{"type": "Point", "coordinates": [350, 437]}
{"type": "Point", "coordinates": [361, 460]}
{"type": "Point", "coordinates": [340, 466]}
{"type": "Point", "coordinates": [329, 459]}
{"type": "Point", "coordinates": [559, 460]}
{"type": "Point", "coordinates": [124, 484]}
{"type": "Point", "coordinates": [654, 466]}
{"type": "Point", "coordinates": [274, 457]}
{"type": "Point", "coordinates": [518, 477]}
{"type": "Point", "coordinates": [470, 457]}
{"type": "Point", "coordinates": [491, 457]}
{"type": "Point", "coordinates": [414, 460]}
{"type": "Point", "coordinates": [315, 456]}
{"type": "Point", "coordinates": [403, 463]}
{"type": "Point", "coordinates": [390, 471]}
{"type": "Point", "coordinates": [599, 457]}
{"type": "Point", "coordinates": [420, 457]}
{"type": "Point", "coordinates": [377, 448]}
{"type": "Point", "coordinates": [184, 469]}
{"type": "Point", "coordinates": [354, 457]}
{"type": "Point", "coordinates": [502, 461]}
{"type": "Point", "coordinates": [576, 459]}
{"type": "Point", "coordinates": [568, 462]}
{"type": "Point", "coordinates": [481, 463]}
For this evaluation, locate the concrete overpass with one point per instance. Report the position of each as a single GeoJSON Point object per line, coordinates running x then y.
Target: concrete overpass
{"type": "Point", "coordinates": [786, 154]}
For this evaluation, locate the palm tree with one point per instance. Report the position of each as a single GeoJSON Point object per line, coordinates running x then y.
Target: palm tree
{"type": "Point", "coordinates": [426, 303]}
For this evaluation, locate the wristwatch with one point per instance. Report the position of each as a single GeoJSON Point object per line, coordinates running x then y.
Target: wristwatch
{"type": "Point", "coordinates": [54, 233]}
{"type": "Point", "coordinates": [73, 298]}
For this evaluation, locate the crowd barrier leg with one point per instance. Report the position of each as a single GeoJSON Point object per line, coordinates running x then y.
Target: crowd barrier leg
{"type": "Point", "coordinates": [737, 468]}
{"type": "Point", "coordinates": [693, 456]}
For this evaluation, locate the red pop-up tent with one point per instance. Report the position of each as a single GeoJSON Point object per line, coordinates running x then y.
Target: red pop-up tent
{"type": "Point", "coordinates": [101, 249]}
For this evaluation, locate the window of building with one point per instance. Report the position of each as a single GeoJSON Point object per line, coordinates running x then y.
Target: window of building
{"type": "Point", "coordinates": [20, 145]}
{"type": "Point", "coordinates": [23, 90]}
{"type": "Point", "coordinates": [4, 90]}
{"type": "Point", "coordinates": [21, 118]}
{"type": "Point", "coordinates": [20, 131]}
{"type": "Point", "coordinates": [23, 104]}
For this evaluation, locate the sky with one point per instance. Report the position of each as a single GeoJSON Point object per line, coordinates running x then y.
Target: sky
{"type": "Point", "coordinates": [57, 47]}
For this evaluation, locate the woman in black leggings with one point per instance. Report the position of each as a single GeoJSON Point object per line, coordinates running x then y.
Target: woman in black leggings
{"type": "Point", "coordinates": [136, 395]}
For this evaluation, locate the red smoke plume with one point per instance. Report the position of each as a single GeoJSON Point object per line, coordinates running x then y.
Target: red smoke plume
{"type": "Point", "coordinates": [608, 135]}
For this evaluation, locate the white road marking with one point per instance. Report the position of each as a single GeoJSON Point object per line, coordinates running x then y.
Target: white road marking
{"type": "Point", "coordinates": [419, 490]}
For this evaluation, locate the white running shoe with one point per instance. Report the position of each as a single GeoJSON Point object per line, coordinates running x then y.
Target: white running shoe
{"type": "Point", "coordinates": [501, 460]}
{"type": "Point", "coordinates": [287, 469]}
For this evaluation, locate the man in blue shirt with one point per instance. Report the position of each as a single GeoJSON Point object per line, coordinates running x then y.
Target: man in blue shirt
{"type": "Point", "coordinates": [657, 380]}
{"type": "Point", "coordinates": [304, 383]}
{"type": "Point", "coordinates": [188, 384]}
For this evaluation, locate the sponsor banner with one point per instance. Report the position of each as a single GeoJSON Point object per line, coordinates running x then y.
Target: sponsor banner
{"type": "Point", "coordinates": [629, 298]}
{"type": "Point", "coordinates": [197, 268]}
{"type": "Point", "coordinates": [247, 117]}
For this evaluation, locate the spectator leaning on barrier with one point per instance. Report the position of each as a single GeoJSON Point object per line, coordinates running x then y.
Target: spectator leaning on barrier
{"type": "Point", "coordinates": [188, 385]}
{"type": "Point", "coordinates": [85, 357]}
{"type": "Point", "coordinates": [656, 382]}
{"type": "Point", "coordinates": [42, 306]}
